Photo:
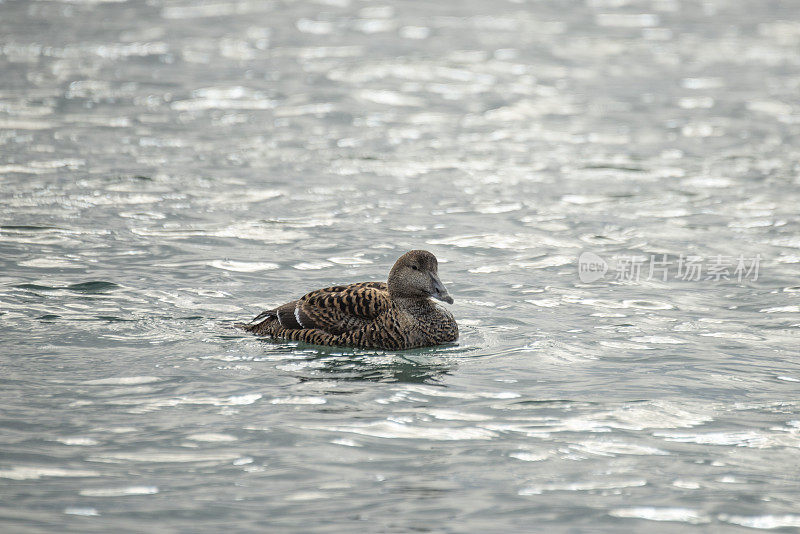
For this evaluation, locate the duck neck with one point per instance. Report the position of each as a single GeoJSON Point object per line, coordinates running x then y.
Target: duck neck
{"type": "Point", "coordinates": [412, 303]}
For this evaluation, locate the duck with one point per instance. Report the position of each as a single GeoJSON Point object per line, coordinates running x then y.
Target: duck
{"type": "Point", "coordinates": [394, 315]}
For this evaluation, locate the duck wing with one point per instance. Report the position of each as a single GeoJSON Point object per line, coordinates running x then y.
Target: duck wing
{"type": "Point", "coordinates": [334, 310]}
{"type": "Point", "coordinates": [341, 309]}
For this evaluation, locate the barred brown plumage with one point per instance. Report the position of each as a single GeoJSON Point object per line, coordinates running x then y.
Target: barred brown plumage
{"type": "Point", "coordinates": [394, 315]}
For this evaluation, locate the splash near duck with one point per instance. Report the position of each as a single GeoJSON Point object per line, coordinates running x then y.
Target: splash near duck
{"type": "Point", "coordinates": [396, 315]}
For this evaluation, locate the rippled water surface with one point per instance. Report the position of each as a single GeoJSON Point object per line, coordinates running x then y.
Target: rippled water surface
{"type": "Point", "coordinates": [168, 168]}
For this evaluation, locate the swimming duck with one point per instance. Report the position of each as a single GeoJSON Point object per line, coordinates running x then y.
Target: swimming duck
{"type": "Point", "coordinates": [394, 315]}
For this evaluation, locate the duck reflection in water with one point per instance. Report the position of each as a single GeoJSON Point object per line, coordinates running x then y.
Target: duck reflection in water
{"type": "Point", "coordinates": [411, 367]}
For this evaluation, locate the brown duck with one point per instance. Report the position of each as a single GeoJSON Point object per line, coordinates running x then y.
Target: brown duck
{"type": "Point", "coordinates": [395, 315]}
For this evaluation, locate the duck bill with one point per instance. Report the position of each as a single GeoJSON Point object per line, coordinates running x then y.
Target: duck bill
{"type": "Point", "coordinates": [439, 291]}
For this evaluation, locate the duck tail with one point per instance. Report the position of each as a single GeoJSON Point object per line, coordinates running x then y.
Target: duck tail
{"type": "Point", "coordinates": [258, 325]}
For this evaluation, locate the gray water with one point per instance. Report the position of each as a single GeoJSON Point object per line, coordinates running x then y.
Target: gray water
{"type": "Point", "coordinates": [169, 168]}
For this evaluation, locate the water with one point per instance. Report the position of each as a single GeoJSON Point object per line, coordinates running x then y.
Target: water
{"type": "Point", "coordinates": [170, 168]}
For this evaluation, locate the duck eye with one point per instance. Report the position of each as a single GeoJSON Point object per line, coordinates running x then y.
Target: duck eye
{"type": "Point", "coordinates": [415, 267]}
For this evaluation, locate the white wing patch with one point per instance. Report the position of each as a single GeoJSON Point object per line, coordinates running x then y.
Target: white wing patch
{"type": "Point", "coordinates": [297, 316]}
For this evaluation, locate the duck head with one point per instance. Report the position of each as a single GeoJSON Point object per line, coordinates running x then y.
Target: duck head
{"type": "Point", "coordinates": [416, 275]}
